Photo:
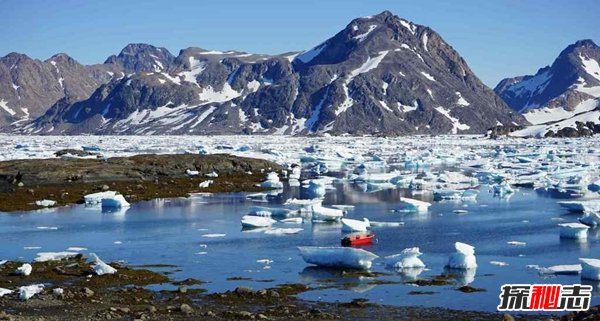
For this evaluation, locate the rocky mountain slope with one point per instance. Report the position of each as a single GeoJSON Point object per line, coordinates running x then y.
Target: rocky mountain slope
{"type": "Point", "coordinates": [559, 95]}
{"type": "Point", "coordinates": [379, 75]}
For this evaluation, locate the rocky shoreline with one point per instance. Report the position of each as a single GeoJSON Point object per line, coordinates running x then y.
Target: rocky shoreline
{"type": "Point", "coordinates": [125, 296]}
{"type": "Point", "coordinates": [140, 177]}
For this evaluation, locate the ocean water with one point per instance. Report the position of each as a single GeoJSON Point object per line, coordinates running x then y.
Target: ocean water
{"type": "Point", "coordinates": [203, 238]}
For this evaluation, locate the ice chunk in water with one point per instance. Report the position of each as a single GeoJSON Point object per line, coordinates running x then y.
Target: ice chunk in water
{"type": "Point", "coordinates": [320, 213]}
{"type": "Point", "coordinates": [272, 181]}
{"type": "Point", "coordinates": [117, 201]}
{"type": "Point", "coordinates": [590, 219]}
{"type": "Point", "coordinates": [573, 231]}
{"type": "Point", "coordinates": [283, 231]}
{"type": "Point", "coordinates": [407, 259]}
{"type": "Point", "coordinates": [464, 258]}
{"type": "Point", "coordinates": [96, 198]}
{"type": "Point", "coordinates": [54, 256]}
{"type": "Point", "coordinates": [339, 257]}
{"type": "Point", "coordinates": [414, 205]}
{"type": "Point", "coordinates": [590, 269]}
{"type": "Point", "coordinates": [256, 221]}
{"type": "Point", "coordinates": [27, 292]}
{"type": "Point", "coordinates": [350, 225]}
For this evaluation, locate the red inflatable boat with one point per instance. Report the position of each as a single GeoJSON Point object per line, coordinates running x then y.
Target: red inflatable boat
{"type": "Point", "coordinates": [358, 239]}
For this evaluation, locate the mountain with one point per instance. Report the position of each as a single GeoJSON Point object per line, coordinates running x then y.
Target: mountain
{"type": "Point", "coordinates": [568, 88]}
{"type": "Point", "coordinates": [379, 75]}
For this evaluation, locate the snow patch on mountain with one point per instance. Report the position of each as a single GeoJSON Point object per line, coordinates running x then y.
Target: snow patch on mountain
{"type": "Point", "coordinates": [456, 124]}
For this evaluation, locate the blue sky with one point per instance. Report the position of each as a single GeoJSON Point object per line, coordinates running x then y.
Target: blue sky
{"type": "Point", "coordinates": [497, 38]}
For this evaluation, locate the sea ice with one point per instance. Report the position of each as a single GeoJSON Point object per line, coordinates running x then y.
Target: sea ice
{"type": "Point", "coordinates": [27, 292]}
{"type": "Point", "coordinates": [573, 230]}
{"type": "Point", "coordinates": [590, 269]}
{"type": "Point", "coordinates": [415, 205]}
{"type": "Point", "coordinates": [464, 258]}
{"type": "Point", "coordinates": [350, 225]}
{"type": "Point", "coordinates": [117, 201]}
{"type": "Point", "coordinates": [320, 213]}
{"type": "Point", "coordinates": [101, 268]}
{"type": "Point", "coordinates": [590, 219]}
{"type": "Point", "coordinates": [54, 256]}
{"type": "Point", "coordinates": [96, 198]}
{"type": "Point", "coordinates": [283, 231]}
{"type": "Point", "coordinates": [24, 269]}
{"type": "Point", "coordinates": [407, 259]}
{"type": "Point", "coordinates": [256, 221]}
{"type": "Point", "coordinates": [338, 257]}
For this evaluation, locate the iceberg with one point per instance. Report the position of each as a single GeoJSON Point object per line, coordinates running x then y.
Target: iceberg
{"type": "Point", "coordinates": [295, 174]}
{"type": "Point", "coordinates": [386, 224]}
{"type": "Point", "coordinates": [272, 181]}
{"type": "Point", "coordinates": [573, 231]}
{"type": "Point", "coordinates": [320, 213]}
{"type": "Point", "coordinates": [27, 292]}
{"type": "Point", "coordinates": [414, 205]}
{"type": "Point", "coordinates": [590, 219]}
{"type": "Point", "coordinates": [502, 189]}
{"type": "Point", "coordinates": [272, 211]}
{"type": "Point", "coordinates": [338, 257]}
{"type": "Point", "coordinates": [256, 221]}
{"type": "Point", "coordinates": [24, 270]}
{"type": "Point", "coordinates": [101, 268]}
{"type": "Point", "coordinates": [350, 225]}
{"type": "Point", "coordinates": [590, 269]}
{"type": "Point", "coordinates": [565, 269]}
{"type": "Point", "coordinates": [117, 201]}
{"type": "Point", "coordinates": [292, 220]}
{"type": "Point", "coordinates": [464, 258]}
{"type": "Point", "coordinates": [96, 198]}
{"type": "Point", "coordinates": [407, 259]}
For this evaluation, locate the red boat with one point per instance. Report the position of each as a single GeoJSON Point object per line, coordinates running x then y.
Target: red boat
{"type": "Point", "coordinates": [358, 239]}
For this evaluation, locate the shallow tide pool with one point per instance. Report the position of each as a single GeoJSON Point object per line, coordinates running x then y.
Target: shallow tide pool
{"type": "Point", "coordinates": [202, 236]}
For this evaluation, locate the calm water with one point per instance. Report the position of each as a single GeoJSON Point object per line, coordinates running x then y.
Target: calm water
{"type": "Point", "coordinates": [172, 232]}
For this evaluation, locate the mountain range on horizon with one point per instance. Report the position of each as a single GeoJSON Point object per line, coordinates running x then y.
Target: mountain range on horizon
{"type": "Point", "coordinates": [381, 74]}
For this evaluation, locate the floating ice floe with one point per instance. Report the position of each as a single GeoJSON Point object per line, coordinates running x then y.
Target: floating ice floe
{"type": "Point", "coordinates": [516, 243]}
{"type": "Point", "coordinates": [590, 219]}
{"type": "Point", "coordinates": [414, 205]}
{"type": "Point", "coordinates": [283, 231]}
{"type": "Point", "coordinates": [54, 256]}
{"type": "Point", "coordinates": [101, 268]}
{"type": "Point", "coordinates": [498, 263]}
{"type": "Point", "coordinates": [27, 292]}
{"type": "Point", "coordinates": [502, 189]}
{"type": "Point", "coordinates": [272, 181]}
{"type": "Point", "coordinates": [292, 220]}
{"type": "Point", "coordinates": [45, 203]}
{"type": "Point", "coordinates": [96, 198]}
{"type": "Point", "coordinates": [214, 235]}
{"type": "Point", "coordinates": [338, 257]}
{"type": "Point", "coordinates": [320, 213]}
{"type": "Point", "coordinates": [24, 270]}
{"type": "Point", "coordinates": [573, 231]}
{"type": "Point", "coordinates": [350, 225]}
{"type": "Point", "coordinates": [463, 258]}
{"type": "Point", "coordinates": [590, 269]}
{"type": "Point", "coordinates": [113, 202]}
{"type": "Point", "coordinates": [581, 206]}
{"type": "Point", "coordinates": [407, 259]}
{"type": "Point", "coordinates": [386, 224]}
{"type": "Point", "coordinates": [256, 221]}
{"type": "Point", "coordinates": [272, 211]}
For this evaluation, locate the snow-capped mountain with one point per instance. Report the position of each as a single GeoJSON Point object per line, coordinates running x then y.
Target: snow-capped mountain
{"type": "Point", "coordinates": [563, 91]}
{"type": "Point", "coordinates": [379, 75]}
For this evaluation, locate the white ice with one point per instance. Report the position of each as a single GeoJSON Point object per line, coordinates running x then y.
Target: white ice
{"type": "Point", "coordinates": [338, 257]}
{"type": "Point", "coordinates": [463, 258]}
{"type": "Point", "coordinates": [101, 268]}
{"type": "Point", "coordinates": [407, 259]}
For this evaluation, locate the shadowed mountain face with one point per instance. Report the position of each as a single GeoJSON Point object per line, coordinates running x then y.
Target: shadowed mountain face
{"type": "Point", "coordinates": [379, 75]}
{"type": "Point", "coordinates": [568, 87]}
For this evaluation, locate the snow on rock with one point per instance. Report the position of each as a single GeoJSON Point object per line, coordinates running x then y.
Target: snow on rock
{"type": "Point", "coordinates": [309, 55]}
{"type": "Point", "coordinates": [205, 184]}
{"type": "Point", "coordinates": [101, 268]}
{"type": "Point", "coordinates": [590, 269]}
{"type": "Point", "coordinates": [428, 76]}
{"type": "Point", "coordinates": [407, 259]}
{"type": "Point", "coordinates": [338, 257]}
{"type": "Point", "coordinates": [362, 36]}
{"type": "Point", "coordinates": [4, 105]}
{"type": "Point", "coordinates": [461, 101]}
{"type": "Point", "coordinates": [24, 269]}
{"type": "Point", "coordinates": [591, 66]}
{"type": "Point", "coordinates": [4, 292]}
{"type": "Point", "coordinates": [545, 115]}
{"type": "Point", "coordinates": [27, 292]}
{"type": "Point", "coordinates": [456, 124]}
{"type": "Point", "coordinates": [464, 258]}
